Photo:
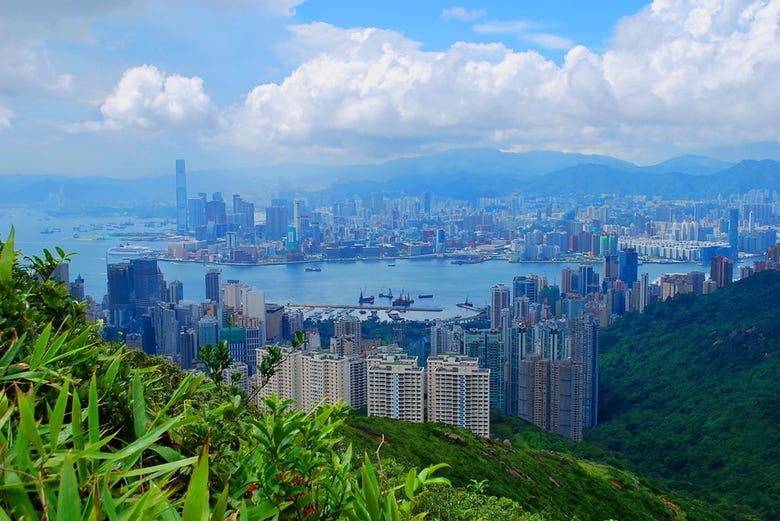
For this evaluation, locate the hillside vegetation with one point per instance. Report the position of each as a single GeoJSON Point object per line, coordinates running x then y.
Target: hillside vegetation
{"type": "Point", "coordinates": [688, 394]}
{"type": "Point", "coordinates": [553, 483]}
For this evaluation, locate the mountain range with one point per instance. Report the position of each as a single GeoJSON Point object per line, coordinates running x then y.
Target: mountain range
{"type": "Point", "coordinates": [460, 174]}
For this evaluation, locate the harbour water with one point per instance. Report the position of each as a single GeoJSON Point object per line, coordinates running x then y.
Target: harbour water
{"type": "Point", "coordinates": [336, 283]}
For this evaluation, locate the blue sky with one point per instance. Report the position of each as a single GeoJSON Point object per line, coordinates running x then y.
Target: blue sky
{"type": "Point", "coordinates": [123, 87]}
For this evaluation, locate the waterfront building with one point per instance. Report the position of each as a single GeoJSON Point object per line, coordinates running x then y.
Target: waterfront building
{"type": "Point", "coordinates": [395, 386]}
{"type": "Point", "coordinates": [458, 393]}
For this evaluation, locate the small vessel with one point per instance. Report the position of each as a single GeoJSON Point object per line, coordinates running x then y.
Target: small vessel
{"type": "Point", "coordinates": [465, 304]}
{"type": "Point", "coordinates": [391, 265]}
{"type": "Point", "coordinates": [425, 295]}
{"type": "Point", "coordinates": [366, 300]}
{"type": "Point", "coordinates": [313, 268]}
{"type": "Point", "coordinates": [403, 300]}
{"type": "Point", "coordinates": [389, 294]}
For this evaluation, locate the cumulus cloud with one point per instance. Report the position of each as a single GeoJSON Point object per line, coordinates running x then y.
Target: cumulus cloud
{"type": "Point", "coordinates": [679, 73]}
{"type": "Point", "coordinates": [461, 13]}
{"type": "Point", "coordinates": [147, 99]}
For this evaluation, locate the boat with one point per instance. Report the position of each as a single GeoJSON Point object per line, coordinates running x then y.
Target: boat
{"type": "Point", "coordinates": [366, 300]}
{"type": "Point", "coordinates": [425, 295]}
{"type": "Point", "coordinates": [391, 265]}
{"type": "Point", "coordinates": [313, 268]}
{"type": "Point", "coordinates": [465, 304]}
{"type": "Point", "coordinates": [404, 301]}
{"type": "Point", "coordinates": [389, 294]}
{"type": "Point", "coordinates": [129, 250]}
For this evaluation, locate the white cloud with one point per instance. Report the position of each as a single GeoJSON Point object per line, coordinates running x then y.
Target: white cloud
{"type": "Point", "coordinates": [25, 68]}
{"type": "Point", "coordinates": [677, 74]}
{"type": "Point", "coordinates": [550, 41]}
{"type": "Point", "coordinates": [461, 13]}
{"type": "Point", "coordinates": [147, 99]}
{"type": "Point", "coordinates": [5, 118]}
{"type": "Point", "coordinates": [501, 27]}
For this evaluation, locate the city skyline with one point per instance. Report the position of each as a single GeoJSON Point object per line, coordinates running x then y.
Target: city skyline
{"type": "Point", "coordinates": [259, 83]}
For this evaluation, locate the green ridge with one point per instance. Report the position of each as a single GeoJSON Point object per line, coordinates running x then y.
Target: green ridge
{"type": "Point", "coordinates": [688, 393]}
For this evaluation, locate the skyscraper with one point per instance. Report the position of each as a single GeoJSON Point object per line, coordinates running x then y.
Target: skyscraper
{"type": "Point", "coordinates": [721, 270]}
{"type": "Point", "coordinates": [733, 230]}
{"type": "Point", "coordinates": [213, 285]}
{"type": "Point", "coordinates": [499, 299]}
{"type": "Point", "coordinates": [628, 263]}
{"type": "Point", "coordinates": [181, 197]}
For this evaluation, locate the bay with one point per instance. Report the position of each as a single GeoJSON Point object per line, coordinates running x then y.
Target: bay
{"type": "Point", "coordinates": [338, 283]}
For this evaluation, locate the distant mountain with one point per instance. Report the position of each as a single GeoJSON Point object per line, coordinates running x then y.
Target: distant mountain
{"type": "Point", "coordinates": [688, 393]}
{"type": "Point", "coordinates": [460, 174]}
{"type": "Point", "coordinates": [692, 165]}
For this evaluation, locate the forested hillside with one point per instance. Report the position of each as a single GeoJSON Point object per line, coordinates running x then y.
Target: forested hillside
{"type": "Point", "coordinates": [688, 393]}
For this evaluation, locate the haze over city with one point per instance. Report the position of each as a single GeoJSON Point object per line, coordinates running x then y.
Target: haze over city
{"type": "Point", "coordinates": [120, 88]}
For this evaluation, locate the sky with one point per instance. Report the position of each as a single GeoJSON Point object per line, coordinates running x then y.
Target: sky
{"type": "Point", "coordinates": [124, 87]}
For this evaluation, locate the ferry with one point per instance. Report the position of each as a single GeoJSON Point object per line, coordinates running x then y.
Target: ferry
{"type": "Point", "coordinates": [313, 268]}
{"type": "Point", "coordinates": [425, 295]}
{"type": "Point", "coordinates": [129, 250]}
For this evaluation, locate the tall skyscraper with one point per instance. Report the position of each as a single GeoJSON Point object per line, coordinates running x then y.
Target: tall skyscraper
{"type": "Point", "coordinates": [628, 263]}
{"type": "Point", "coordinates": [499, 299]}
{"type": "Point", "coordinates": [181, 197]}
{"type": "Point", "coordinates": [214, 285]}
{"type": "Point", "coordinates": [734, 230]}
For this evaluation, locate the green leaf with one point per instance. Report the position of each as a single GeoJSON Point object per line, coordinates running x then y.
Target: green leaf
{"type": "Point", "coordinates": [68, 500]}
{"type": "Point", "coordinates": [370, 489]}
{"type": "Point", "coordinates": [7, 256]}
{"type": "Point", "coordinates": [409, 486]}
{"type": "Point", "coordinates": [27, 420]}
{"type": "Point", "coordinates": [58, 414]}
{"type": "Point", "coordinates": [139, 406]}
{"type": "Point", "coordinates": [196, 502]}
{"type": "Point", "coordinates": [221, 506]}
{"type": "Point", "coordinates": [93, 412]}
{"type": "Point", "coordinates": [40, 346]}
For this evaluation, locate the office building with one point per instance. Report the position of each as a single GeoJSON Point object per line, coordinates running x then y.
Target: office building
{"type": "Point", "coordinates": [395, 386]}
{"type": "Point", "coordinates": [525, 286]}
{"type": "Point", "coordinates": [459, 393]}
{"type": "Point", "coordinates": [628, 262]}
{"type": "Point", "coordinates": [181, 197]}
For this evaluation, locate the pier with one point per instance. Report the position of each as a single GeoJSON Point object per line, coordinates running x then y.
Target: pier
{"type": "Point", "coordinates": [367, 308]}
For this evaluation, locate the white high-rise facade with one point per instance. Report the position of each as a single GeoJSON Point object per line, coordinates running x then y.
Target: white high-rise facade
{"type": "Point", "coordinates": [459, 393]}
{"type": "Point", "coordinates": [395, 387]}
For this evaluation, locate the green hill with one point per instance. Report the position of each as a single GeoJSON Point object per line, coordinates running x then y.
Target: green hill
{"type": "Point", "coordinates": [688, 394]}
{"type": "Point", "coordinates": [553, 483]}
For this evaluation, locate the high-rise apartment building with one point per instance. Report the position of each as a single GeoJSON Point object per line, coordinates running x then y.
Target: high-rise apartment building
{"type": "Point", "coordinates": [721, 270]}
{"type": "Point", "coordinates": [214, 285]}
{"type": "Point", "coordinates": [488, 347]}
{"type": "Point", "coordinates": [459, 393]}
{"type": "Point", "coordinates": [395, 387]}
{"type": "Point", "coordinates": [181, 197]}
{"type": "Point", "coordinates": [499, 299]}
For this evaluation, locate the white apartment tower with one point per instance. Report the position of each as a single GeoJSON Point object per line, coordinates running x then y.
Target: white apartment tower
{"type": "Point", "coordinates": [395, 387]}
{"type": "Point", "coordinates": [459, 393]}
